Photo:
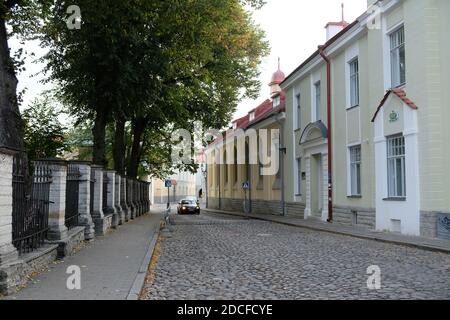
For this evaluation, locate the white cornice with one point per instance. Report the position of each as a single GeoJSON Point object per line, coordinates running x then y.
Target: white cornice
{"type": "Point", "coordinates": [344, 41]}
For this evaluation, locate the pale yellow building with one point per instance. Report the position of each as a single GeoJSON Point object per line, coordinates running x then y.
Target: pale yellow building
{"type": "Point", "coordinates": [185, 185]}
{"type": "Point", "coordinates": [365, 129]}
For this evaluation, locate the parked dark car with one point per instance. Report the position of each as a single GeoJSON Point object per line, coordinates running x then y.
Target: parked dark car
{"type": "Point", "coordinates": [193, 199]}
{"type": "Point", "coordinates": [188, 206]}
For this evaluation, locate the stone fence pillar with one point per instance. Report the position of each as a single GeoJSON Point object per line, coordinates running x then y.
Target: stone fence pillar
{"type": "Point", "coordinates": [57, 196]}
{"type": "Point", "coordinates": [137, 198]}
{"type": "Point", "coordinates": [8, 253]}
{"type": "Point", "coordinates": [124, 198]}
{"type": "Point", "coordinates": [130, 198]}
{"type": "Point", "coordinates": [141, 197]}
{"type": "Point", "coordinates": [84, 199]}
{"type": "Point", "coordinates": [111, 197]}
{"type": "Point", "coordinates": [100, 221]}
{"type": "Point", "coordinates": [147, 197]}
{"type": "Point", "coordinates": [117, 199]}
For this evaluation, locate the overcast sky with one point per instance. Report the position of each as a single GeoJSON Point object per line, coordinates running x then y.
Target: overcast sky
{"type": "Point", "coordinates": [294, 29]}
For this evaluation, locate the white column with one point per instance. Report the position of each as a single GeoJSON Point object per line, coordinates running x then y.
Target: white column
{"type": "Point", "coordinates": [57, 196]}
{"type": "Point", "coordinates": [308, 209]}
{"type": "Point", "coordinates": [84, 199]}
{"type": "Point", "coordinates": [8, 252]}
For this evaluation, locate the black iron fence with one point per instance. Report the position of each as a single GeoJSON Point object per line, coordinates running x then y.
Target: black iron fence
{"type": "Point", "coordinates": [30, 204]}
{"type": "Point", "coordinates": [31, 199]}
{"type": "Point", "coordinates": [72, 196]}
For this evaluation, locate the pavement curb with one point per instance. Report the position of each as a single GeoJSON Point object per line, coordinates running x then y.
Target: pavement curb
{"type": "Point", "coordinates": [139, 280]}
{"type": "Point", "coordinates": [344, 233]}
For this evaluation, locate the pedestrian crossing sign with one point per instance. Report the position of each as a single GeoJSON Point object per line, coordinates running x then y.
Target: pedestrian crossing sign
{"type": "Point", "coordinates": [168, 183]}
{"type": "Point", "coordinates": [246, 185]}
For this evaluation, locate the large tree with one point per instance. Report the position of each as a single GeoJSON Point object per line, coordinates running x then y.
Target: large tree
{"type": "Point", "coordinates": [154, 64]}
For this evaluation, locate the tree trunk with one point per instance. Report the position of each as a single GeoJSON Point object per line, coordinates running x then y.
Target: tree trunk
{"type": "Point", "coordinates": [135, 157]}
{"type": "Point", "coordinates": [11, 125]}
{"type": "Point", "coordinates": [119, 146]}
{"type": "Point", "coordinates": [99, 134]}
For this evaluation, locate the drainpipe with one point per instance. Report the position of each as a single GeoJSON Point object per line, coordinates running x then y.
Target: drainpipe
{"type": "Point", "coordinates": [282, 152]}
{"type": "Point", "coordinates": [329, 123]}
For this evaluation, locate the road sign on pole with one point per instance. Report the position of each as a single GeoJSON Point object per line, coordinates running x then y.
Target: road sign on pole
{"type": "Point", "coordinates": [168, 183]}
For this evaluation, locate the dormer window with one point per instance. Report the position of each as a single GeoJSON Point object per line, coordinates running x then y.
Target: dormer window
{"type": "Point", "coordinates": [252, 116]}
{"type": "Point", "coordinates": [234, 125]}
{"type": "Point", "coordinates": [276, 101]}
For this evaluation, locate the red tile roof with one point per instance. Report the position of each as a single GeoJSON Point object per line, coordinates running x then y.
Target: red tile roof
{"type": "Point", "coordinates": [401, 94]}
{"type": "Point", "coordinates": [343, 24]}
{"type": "Point", "coordinates": [262, 112]}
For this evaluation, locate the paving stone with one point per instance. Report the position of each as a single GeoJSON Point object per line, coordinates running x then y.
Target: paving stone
{"type": "Point", "coordinates": [219, 256]}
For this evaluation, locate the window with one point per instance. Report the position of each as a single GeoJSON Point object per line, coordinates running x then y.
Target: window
{"type": "Point", "coordinates": [252, 116]}
{"type": "Point", "coordinates": [354, 82]}
{"type": "Point", "coordinates": [355, 170]}
{"type": "Point", "coordinates": [299, 112]}
{"type": "Point", "coordinates": [317, 101]}
{"type": "Point", "coordinates": [396, 167]}
{"type": "Point", "coordinates": [398, 67]}
{"type": "Point", "coordinates": [299, 176]}
{"type": "Point", "coordinates": [276, 101]}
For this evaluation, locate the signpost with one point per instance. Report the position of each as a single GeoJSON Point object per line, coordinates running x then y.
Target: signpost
{"type": "Point", "coordinates": [246, 187]}
{"type": "Point", "coordinates": [168, 185]}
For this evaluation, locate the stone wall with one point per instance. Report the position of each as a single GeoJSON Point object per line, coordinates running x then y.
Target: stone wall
{"type": "Point", "coordinates": [354, 216]}
{"type": "Point", "coordinates": [60, 242]}
{"type": "Point", "coordinates": [295, 209]}
{"type": "Point", "coordinates": [428, 224]}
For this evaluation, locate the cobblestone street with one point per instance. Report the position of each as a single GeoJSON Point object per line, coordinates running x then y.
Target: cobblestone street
{"type": "Point", "coordinates": [221, 257]}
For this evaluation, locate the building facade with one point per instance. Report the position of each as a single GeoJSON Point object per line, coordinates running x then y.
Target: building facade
{"type": "Point", "coordinates": [184, 184]}
{"type": "Point", "coordinates": [365, 135]}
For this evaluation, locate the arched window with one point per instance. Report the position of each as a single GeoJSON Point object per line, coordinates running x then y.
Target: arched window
{"type": "Point", "coordinates": [235, 163]}
{"type": "Point", "coordinates": [225, 167]}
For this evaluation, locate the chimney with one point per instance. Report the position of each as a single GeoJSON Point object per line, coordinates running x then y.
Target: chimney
{"type": "Point", "coordinates": [333, 28]}
{"type": "Point", "coordinates": [371, 2]}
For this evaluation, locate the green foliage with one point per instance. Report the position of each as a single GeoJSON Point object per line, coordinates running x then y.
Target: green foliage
{"type": "Point", "coordinates": [43, 132]}
{"type": "Point", "coordinates": [165, 62]}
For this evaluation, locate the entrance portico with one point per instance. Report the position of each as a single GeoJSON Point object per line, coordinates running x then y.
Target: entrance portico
{"type": "Point", "coordinates": [314, 141]}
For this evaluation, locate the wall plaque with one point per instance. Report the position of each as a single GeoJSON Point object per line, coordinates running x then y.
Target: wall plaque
{"type": "Point", "coordinates": [443, 226]}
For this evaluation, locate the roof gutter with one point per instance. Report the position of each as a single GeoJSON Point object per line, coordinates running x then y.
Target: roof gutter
{"type": "Point", "coordinates": [329, 125]}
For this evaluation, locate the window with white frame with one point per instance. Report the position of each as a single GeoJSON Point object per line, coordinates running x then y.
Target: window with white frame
{"type": "Point", "coordinates": [354, 82]}
{"type": "Point", "coordinates": [299, 176]}
{"type": "Point", "coordinates": [355, 170]}
{"type": "Point", "coordinates": [398, 67]}
{"type": "Point", "coordinates": [317, 101]}
{"type": "Point", "coordinates": [252, 116]}
{"type": "Point", "coordinates": [396, 167]}
{"type": "Point", "coordinates": [299, 112]}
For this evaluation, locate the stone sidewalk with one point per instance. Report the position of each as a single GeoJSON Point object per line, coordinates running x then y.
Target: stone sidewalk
{"type": "Point", "coordinates": [110, 266]}
{"type": "Point", "coordinates": [417, 242]}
